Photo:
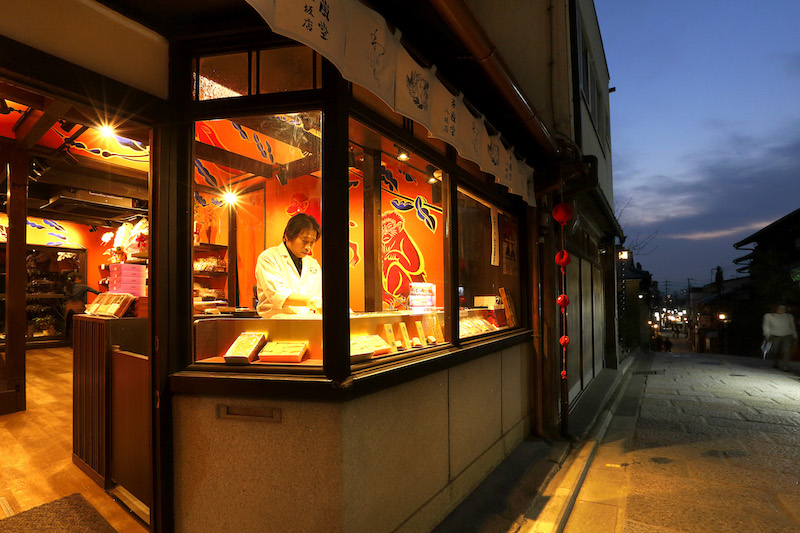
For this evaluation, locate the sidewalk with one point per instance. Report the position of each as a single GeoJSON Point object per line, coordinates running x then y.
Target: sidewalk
{"type": "Point", "coordinates": [697, 443]}
{"type": "Point", "coordinates": [501, 502]}
{"type": "Point", "coordinates": [688, 443]}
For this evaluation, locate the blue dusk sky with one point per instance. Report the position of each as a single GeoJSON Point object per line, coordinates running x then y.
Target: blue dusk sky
{"type": "Point", "coordinates": [705, 127]}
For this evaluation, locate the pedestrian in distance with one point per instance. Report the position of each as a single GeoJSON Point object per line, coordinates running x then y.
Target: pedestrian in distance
{"type": "Point", "coordinates": [779, 328]}
{"type": "Point", "coordinates": [667, 345]}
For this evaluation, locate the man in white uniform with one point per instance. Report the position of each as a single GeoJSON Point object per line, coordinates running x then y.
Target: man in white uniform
{"type": "Point", "coordinates": [288, 279]}
{"type": "Point", "coordinates": [780, 329]}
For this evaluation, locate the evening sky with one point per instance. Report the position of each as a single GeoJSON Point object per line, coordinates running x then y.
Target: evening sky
{"type": "Point", "coordinates": [705, 127]}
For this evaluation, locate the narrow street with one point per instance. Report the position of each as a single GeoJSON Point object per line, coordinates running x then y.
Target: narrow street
{"type": "Point", "coordinates": [695, 443]}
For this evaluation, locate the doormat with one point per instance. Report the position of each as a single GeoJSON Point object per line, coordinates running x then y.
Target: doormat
{"type": "Point", "coordinates": [71, 514]}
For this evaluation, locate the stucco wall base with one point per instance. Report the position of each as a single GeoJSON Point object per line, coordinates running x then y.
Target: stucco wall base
{"type": "Point", "coordinates": [397, 460]}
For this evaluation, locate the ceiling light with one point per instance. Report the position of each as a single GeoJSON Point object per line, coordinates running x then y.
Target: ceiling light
{"type": "Point", "coordinates": [230, 197]}
{"type": "Point", "coordinates": [433, 174]}
{"type": "Point", "coordinates": [107, 130]}
{"type": "Point", "coordinates": [38, 168]}
{"type": "Point", "coordinates": [402, 154]}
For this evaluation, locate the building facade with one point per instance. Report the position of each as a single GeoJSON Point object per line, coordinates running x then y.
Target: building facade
{"type": "Point", "coordinates": [446, 132]}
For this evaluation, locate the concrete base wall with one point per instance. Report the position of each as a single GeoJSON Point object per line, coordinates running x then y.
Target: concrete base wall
{"type": "Point", "coordinates": [397, 460]}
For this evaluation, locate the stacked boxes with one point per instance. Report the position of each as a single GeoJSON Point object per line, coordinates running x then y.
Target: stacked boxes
{"type": "Point", "coordinates": [128, 277]}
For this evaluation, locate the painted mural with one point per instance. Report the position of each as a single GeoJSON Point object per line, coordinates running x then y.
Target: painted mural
{"type": "Point", "coordinates": [411, 238]}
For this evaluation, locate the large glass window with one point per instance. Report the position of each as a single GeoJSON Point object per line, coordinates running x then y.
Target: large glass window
{"type": "Point", "coordinates": [397, 220]}
{"type": "Point", "coordinates": [488, 266]}
{"type": "Point", "coordinates": [257, 230]}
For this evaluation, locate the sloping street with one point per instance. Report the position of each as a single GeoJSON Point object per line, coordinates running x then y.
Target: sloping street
{"type": "Point", "coordinates": [697, 443]}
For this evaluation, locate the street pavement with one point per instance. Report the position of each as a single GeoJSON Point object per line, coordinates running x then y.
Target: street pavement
{"type": "Point", "coordinates": [694, 443]}
{"type": "Point", "coordinates": [687, 442]}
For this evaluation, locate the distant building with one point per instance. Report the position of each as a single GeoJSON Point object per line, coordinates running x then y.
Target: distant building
{"type": "Point", "coordinates": [636, 294]}
{"type": "Point", "coordinates": [773, 262]}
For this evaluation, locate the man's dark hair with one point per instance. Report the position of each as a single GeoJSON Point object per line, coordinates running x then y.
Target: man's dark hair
{"type": "Point", "coordinates": [299, 223]}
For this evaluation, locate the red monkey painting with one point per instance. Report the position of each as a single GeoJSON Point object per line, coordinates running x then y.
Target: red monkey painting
{"type": "Point", "coordinates": [402, 260]}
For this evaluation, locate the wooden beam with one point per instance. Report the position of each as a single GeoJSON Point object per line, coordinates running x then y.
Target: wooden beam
{"type": "Point", "coordinates": [219, 156]}
{"type": "Point", "coordinates": [32, 128]}
{"type": "Point", "coordinates": [91, 166]}
{"type": "Point", "coordinates": [108, 183]}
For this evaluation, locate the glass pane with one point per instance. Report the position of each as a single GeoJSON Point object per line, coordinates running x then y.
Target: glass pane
{"type": "Point", "coordinates": [286, 69]}
{"type": "Point", "coordinates": [223, 76]}
{"type": "Point", "coordinates": [397, 285]}
{"type": "Point", "coordinates": [257, 263]}
{"type": "Point", "coordinates": [489, 273]}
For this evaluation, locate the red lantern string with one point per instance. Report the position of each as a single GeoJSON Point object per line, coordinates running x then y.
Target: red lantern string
{"type": "Point", "coordinates": [563, 259]}
{"type": "Point", "coordinates": [562, 213]}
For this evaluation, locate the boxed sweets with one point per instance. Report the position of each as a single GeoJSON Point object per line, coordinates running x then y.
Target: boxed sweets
{"type": "Point", "coordinates": [283, 352]}
{"type": "Point", "coordinates": [245, 348]}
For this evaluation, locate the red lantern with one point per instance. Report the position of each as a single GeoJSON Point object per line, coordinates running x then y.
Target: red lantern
{"type": "Point", "coordinates": [562, 301]}
{"type": "Point", "coordinates": [562, 213]}
{"type": "Point", "coordinates": [564, 341]}
{"type": "Point", "coordinates": [563, 374]}
{"type": "Point", "coordinates": [563, 259]}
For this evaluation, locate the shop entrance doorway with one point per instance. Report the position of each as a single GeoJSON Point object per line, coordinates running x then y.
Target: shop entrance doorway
{"type": "Point", "coordinates": [74, 205]}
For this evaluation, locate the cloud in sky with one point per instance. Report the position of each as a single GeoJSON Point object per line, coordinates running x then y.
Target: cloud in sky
{"type": "Point", "coordinates": [741, 177]}
{"type": "Point", "coordinates": [721, 233]}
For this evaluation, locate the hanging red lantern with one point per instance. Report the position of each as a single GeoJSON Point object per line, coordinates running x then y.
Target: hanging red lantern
{"type": "Point", "coordinates": [562, 213]}
{"type": "Point", "coordinates": [563, 374]}
{"type": "Point", "coordinates": [563, 259]}
{"type": "Point", "coordinates": [562, 301]}
{"type": "Point", "coordinates": [564, 341]}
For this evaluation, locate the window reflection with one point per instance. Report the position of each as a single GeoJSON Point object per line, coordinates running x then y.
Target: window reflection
{"type": "Point", "coordinates": [489, 266]}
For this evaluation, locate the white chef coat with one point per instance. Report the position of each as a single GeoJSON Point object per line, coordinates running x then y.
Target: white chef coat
{"type": "Point", "coordinates": [277, 279]}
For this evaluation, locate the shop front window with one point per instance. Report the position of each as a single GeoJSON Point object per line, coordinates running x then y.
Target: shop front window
{"type": "Point", "coordinates": [257, 240]}
{"type": "Point", "coordinates": [268, 71]}
{"type": "Point", "coordinates": [488, 266]}
{"type": "Point", "coordinates": [397, 220]}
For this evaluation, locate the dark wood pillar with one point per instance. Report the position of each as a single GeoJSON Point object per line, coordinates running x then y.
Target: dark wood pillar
{"type": "Point", "coordinates": [16, 279]}
{"type": "Point", "coordinates": [373, 262]}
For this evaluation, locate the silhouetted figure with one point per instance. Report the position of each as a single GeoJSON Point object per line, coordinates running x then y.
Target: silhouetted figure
{"type": "Point", "coordinates": [779, 328]}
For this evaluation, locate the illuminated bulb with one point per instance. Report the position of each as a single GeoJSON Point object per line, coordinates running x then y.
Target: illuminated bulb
{"type": "Point", "coordinates": [107, 131]}
{"type": "Point", "coordinates": [402, 155]}
{"type": "Point", "coordinates": [230, 197]}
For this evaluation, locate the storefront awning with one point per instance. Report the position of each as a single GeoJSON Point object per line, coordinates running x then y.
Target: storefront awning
{"type": "Point", "coordinates": [359, 43]}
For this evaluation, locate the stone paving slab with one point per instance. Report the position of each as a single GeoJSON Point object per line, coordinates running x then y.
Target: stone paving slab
{"type": "Point", "coordinates": [688, 518]}
{"type": "Point", "coordinates": [632, 526]}
{"type": "Point", "coordinates": [689, 492]}
{"type": "Point", "coordinates": [749, 425]}
{"type": "Point", "coordinates": [587, 516]}
{"type": "Point", "coordinates": [715, 448]}
{"type": "Point", "coordinates": [791, 503]}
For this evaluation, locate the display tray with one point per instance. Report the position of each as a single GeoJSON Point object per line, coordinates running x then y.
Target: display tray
{"type": "Point", "coordinates": [310, 362]}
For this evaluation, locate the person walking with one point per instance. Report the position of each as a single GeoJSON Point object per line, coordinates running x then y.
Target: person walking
{"type": "Point", "coordinates": [779, 328]}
